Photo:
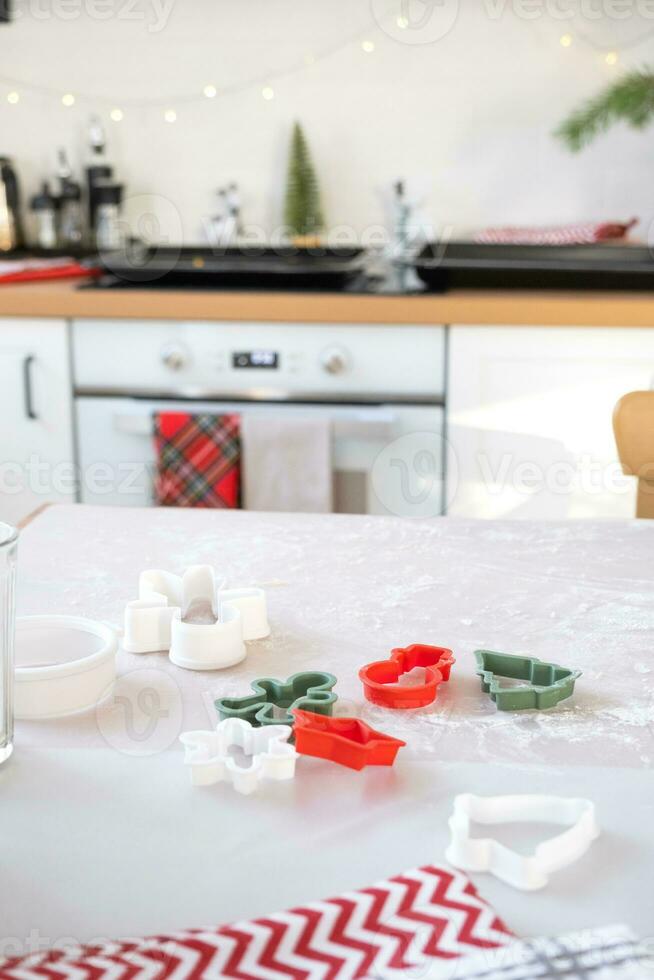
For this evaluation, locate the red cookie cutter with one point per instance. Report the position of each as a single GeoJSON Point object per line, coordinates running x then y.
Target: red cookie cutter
{"type": "Point", "coordinates": [347, 741]}
{"type": "Point", "coordinates": [380, 679]}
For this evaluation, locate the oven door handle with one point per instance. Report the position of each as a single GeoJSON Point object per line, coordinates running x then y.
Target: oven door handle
{"type": "Point", "coordinates": [133, 425]}
{"type": "Point", "coordinates": [374, 425]}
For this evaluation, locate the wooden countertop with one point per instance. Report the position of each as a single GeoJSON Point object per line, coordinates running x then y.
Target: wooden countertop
{"type": "Point", "coordinates": [65, 300]}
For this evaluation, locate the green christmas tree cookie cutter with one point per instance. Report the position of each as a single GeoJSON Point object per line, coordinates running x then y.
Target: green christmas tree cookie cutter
{"type": "Point", "coordinates": [273, 700]}
{"type": "Point", "coordinates": [545, 684]}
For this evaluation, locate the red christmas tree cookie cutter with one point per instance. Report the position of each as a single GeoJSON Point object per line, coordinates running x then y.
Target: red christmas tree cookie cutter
{"type": "Point", "coordinates": [380, 679]}
{"type": "Point", "coordinates": [347, 741]}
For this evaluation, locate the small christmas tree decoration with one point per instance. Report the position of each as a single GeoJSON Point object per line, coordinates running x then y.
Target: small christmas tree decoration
{"type": "Point", "coordinates": [631, 99]}
{"type": "Point", "coordinates": [303, 214]}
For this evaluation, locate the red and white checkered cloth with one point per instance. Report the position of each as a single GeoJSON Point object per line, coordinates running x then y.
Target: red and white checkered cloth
{"type": "Point", "coordinates": [582, 233]}
{"type": "Point", "coordinates": [198, 459]}
{"type": "Point", "coordinates": [398, 928]}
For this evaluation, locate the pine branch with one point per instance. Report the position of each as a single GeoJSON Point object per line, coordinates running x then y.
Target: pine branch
{"type": "Point", "coordinates": [631, 100]}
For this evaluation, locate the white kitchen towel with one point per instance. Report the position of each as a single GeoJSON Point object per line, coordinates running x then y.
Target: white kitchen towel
{"type": "Point", "coordinates": [286, 463]}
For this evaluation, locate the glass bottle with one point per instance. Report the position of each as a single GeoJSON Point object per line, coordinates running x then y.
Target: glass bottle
{"type": "Point", "coordinates": [108, 226]}
{"type": "Point", "coordinates": [44, 207]}
{"type": "Point", "coordinates": [8, 544]}
{"type": "Point", "coordinates": [71, 225]}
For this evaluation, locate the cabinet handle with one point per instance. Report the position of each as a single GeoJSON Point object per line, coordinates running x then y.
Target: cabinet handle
{"type": "Point", "coordinates": [27, 384]}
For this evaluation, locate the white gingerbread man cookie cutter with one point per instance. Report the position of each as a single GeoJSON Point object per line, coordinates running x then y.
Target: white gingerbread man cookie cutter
{"type": "Point", "coordinates": [209, 755]}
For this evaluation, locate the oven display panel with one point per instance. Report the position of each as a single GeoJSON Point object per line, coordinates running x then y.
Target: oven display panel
{"type": "Point", "coordinates": [255, 359]}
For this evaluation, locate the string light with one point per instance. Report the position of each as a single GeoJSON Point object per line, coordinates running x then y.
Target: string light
{"type": "Point", "coordinates": [157, 102]}
{"type": "Point", "coordinates": [210, 91]}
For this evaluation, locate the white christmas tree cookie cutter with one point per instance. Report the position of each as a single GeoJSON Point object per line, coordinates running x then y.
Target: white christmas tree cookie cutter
{"type": "Point", "coordinates": [203, 626]}
{"type": "Point", "coordinates": [209, 756]}
{"type": "Point", "coordinates": [526, 873]}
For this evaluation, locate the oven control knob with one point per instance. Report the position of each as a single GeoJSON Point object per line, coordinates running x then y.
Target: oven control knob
{"type": "Point", "coordinates": [334, 360]}
{"type": "Point", "coordinates": [174, 357]}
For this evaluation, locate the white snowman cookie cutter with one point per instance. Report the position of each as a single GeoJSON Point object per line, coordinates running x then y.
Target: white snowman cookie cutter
{"type": "Point", "coordinates": [204, 627]}
{"type": "Point", "coordinates": [209, 754]}
{"type": "Point", "coordinates": [531, 872]}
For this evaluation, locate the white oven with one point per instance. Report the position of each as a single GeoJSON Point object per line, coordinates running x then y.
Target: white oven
{"type": "Point", "coordinates": [381, 387]}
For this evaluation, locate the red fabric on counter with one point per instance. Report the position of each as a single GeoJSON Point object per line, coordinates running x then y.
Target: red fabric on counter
{"type": "Point", "coordinates": [72, 270]}
{"type": "Point", "coordinates": [582, 233]}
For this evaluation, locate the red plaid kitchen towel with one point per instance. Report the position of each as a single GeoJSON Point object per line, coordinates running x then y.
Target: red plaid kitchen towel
{"type": "Point", "coordinates": [407, 926]}
{"type": "Point", "coordinates": [198, 459]}
{"type": "Point", "coordinates": [583, 233]}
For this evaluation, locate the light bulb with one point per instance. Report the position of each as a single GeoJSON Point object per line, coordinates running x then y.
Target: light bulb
{"type": "Point", "coordinates": [566, 40]}
{"type": "Point", "coordinates": [13, 98]}
{"type": "Point", "coordinates": [170, 115]}
{"type": "Point", "coordinates": [612, 58]}
{"type": "Point", "coordinates": [402, 22]}
{"type": "Point", "coordinates": [368, 46]}
{"type": "Point", "coordinates": [116, 115]}
{"type": "Point", "coordinates": [68, 99]}
{"type": "Point", "coordinates": [210, 91]}
{"type": "Point", "coordinates": [268, 93]}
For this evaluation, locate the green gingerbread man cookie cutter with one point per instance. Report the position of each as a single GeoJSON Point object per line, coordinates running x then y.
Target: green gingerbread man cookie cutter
{"type": "Point", "coordinates": [273, 700]}
{"type": "Point", "coordinates": [545, 684]}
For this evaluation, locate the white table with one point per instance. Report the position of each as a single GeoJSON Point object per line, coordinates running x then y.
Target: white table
{"type": "Point", "coordinates": [102, 834]}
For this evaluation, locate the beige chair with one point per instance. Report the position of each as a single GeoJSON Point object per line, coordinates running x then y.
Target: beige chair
{"type": "Point", "coordinates": [633, 425]}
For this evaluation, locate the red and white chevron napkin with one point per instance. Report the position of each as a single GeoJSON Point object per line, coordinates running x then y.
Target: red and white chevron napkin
{"type": "Point", "coordinates": [411, 922]}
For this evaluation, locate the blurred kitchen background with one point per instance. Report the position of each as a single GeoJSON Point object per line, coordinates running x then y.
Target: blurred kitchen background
{"type": "Point", "coordinates": [466, 117]}
{"type": "Point", "coordinates": [384, 256]}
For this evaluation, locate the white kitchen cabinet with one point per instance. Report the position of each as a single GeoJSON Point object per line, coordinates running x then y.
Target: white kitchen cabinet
{"type": "Point", "coordinates": [36, 442]}
{"type": "Point", "coordinates": [530, 419]}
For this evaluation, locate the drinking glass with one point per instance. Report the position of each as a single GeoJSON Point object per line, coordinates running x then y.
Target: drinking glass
{"type": "Point", "coordinates": [8, 543]}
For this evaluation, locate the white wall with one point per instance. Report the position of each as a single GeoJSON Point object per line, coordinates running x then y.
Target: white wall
{"type": "Point", "coordinates": [468, 117]}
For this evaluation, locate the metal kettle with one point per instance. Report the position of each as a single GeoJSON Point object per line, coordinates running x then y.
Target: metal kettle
{"type": "Point", "coordinates": [11, 230]}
